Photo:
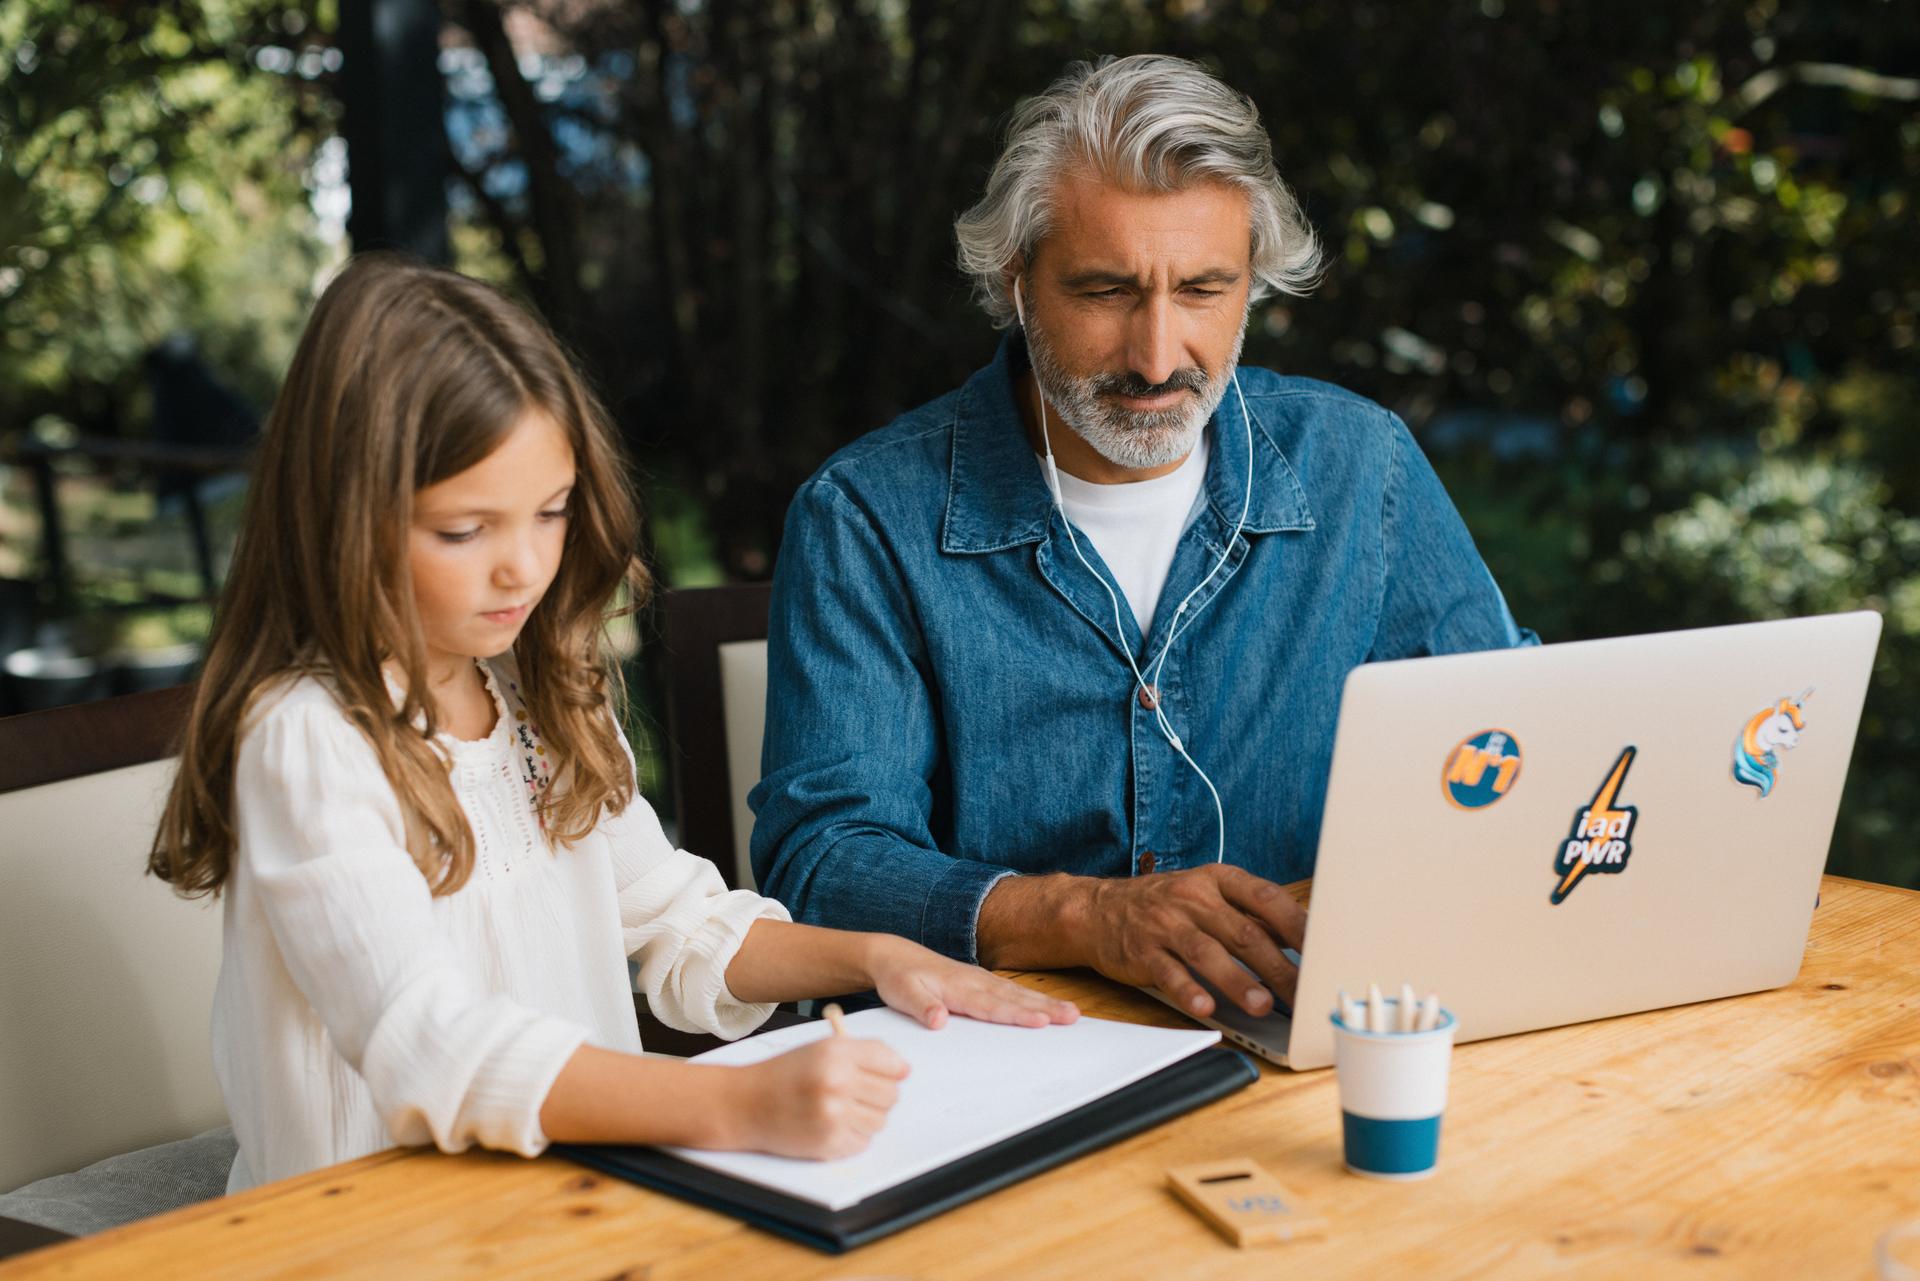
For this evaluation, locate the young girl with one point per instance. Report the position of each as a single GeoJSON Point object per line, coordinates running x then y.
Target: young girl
{"type": "Point", "coordinates": [403, 768]}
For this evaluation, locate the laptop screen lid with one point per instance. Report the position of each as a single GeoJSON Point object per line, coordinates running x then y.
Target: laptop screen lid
{"type": "Point", "coordinates": [1641, 822]}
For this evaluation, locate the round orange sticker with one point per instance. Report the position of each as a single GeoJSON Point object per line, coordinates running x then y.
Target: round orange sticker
{"type": "Point", "coordinates": [1481, 769]}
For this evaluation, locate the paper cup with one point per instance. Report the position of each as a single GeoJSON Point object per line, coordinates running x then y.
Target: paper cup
{"type": "Point", "coordinates": [1393, 1090]}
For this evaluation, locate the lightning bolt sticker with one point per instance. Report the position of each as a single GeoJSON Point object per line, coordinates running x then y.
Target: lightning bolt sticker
{"type": "Point", "coordinates": [1602, 836]}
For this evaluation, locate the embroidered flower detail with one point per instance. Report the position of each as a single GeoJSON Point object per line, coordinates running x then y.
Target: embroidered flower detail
{"type": "Point", "coordinates": [536, 771]}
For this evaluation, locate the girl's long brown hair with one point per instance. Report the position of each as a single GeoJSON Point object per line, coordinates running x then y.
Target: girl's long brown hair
{"type": "Point", "coordinates": [406, 375]}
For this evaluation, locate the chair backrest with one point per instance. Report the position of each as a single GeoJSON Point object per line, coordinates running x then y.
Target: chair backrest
{"type": "Point", "coordinates": [106, 976]}
{"type": "Point", "coordinates": [716, 640]}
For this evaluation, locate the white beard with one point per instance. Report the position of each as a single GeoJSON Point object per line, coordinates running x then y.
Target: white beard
{"type": "Point", "coordinates": [1135, 439]}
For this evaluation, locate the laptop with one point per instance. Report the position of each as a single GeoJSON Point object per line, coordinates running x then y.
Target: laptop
{"type": "Point", "coordinates": [1570, 832]}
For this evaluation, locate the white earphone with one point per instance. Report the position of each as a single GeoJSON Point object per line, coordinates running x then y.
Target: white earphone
{"type": "Point", "coordinates": [1149, 691]}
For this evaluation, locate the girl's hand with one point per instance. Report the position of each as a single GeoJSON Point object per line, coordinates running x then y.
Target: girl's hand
{"type": "Point", "coordinates": [927, 986]}
{"type": "Point", "coordinates": [823, 1100]}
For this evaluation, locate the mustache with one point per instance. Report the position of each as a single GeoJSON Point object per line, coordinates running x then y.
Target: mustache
{"type": "Point", "coordinates": [1132, 384]}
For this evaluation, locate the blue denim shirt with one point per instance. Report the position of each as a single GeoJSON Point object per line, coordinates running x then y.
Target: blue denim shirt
{"type": "Point", "coordinates": [948, 701]}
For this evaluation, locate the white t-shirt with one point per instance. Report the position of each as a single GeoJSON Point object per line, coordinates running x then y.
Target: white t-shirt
{"type": "Point", "coordinates": [356, 1011]}
{"type": "Point", "coordinates": [1136, 526]}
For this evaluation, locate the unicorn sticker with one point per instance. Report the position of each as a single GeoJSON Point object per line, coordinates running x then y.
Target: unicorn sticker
{"type": "Point", "coordinates": [1772, 730]}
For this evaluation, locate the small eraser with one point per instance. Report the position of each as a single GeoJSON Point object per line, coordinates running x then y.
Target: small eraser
{"type": "Point", "coordinates": [1244, 1203]}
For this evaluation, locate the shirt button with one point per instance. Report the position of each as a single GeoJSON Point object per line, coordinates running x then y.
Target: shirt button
{"type": "Point", "coordinates": [1146, 862]}
{"type": "Point", "coordinates": [1149, 697]}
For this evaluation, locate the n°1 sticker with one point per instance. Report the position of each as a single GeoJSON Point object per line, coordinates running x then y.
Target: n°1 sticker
{"type": "Point", "coordinates": [1602, 836]}
{"type": "Point", "coordinates": [1769, 731]}
{"type": "Point", "coordinates": [1481, 769]}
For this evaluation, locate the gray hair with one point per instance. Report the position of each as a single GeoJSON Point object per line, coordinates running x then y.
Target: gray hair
{"type": "Point", "coordinates": [1148, 123]}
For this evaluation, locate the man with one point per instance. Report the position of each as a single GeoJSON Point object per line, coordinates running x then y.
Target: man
{"type": "Point", "coordinates": [998, 714]}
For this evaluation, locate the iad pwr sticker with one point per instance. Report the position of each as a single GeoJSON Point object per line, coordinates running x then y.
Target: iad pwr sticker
{"type": "Point", "coordinates": [1770, 731]}
{"type": "Point", "coordinates": [1602, 836]}
{"type": "Point", "coordinates": [1482, 769]}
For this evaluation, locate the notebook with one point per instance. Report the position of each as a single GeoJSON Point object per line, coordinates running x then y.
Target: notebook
{"type": "Point", "coordinates": [985, 1106]}
{"type": "Point", "coordinates": [972, 1084]}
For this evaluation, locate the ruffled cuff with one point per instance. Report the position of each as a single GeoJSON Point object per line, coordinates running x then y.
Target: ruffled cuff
{"type": "Point", "coordinates": [692, 995]}
{"type": "Point", "coordinates": [511, 1086]}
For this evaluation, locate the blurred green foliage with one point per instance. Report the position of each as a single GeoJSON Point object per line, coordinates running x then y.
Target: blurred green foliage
{"type": "Point", "coordinates": [153, 180]}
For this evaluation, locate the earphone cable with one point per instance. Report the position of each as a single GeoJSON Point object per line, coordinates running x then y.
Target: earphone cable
{"type": "Point", "coordinates": [1181, 618]}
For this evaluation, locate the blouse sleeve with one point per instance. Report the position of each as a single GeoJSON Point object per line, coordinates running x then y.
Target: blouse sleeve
{"type": "Point", "coordinates": [682, 924]}
{"type": "Point", "coordinates": [322, 848]}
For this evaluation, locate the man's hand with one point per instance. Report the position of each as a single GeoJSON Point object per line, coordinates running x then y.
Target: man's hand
{"type": "Point", "coordinates": [1157, 930]}
{"type": "Point", "coordinates": [1161, 929]}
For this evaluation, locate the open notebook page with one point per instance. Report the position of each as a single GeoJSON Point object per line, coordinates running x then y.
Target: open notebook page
{"type": "Point", "coordinates": [972, 1085]}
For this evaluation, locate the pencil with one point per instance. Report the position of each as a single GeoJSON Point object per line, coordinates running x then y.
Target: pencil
{"type": "Point", "coordinates": [835, 1017]}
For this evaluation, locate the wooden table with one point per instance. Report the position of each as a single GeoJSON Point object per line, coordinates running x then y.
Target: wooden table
{"type": "Point", "coordinates": [1767, 1135]}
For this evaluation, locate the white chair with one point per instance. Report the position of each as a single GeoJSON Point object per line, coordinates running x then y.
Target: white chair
{"type": "Point", "coordinates": [716, 642]}
{"type": "Point", "coordinates": [106, 976]}
{"type": "Point", "coordinates": [743, 708]}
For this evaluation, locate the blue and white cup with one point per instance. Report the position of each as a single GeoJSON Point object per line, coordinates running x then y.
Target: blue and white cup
{"type": "Point", "coordinates": [1393, 1090]}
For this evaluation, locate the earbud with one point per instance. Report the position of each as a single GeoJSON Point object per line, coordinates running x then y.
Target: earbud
{"type": "Point", "coordinates": [1019, 308]}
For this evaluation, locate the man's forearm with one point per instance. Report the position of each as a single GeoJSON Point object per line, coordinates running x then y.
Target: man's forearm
{"type": "Point", "coordinates": [1036, 922]}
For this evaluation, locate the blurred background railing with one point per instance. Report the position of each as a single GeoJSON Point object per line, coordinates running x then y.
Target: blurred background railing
{"type": "Point", "coordinates": [1640, 276]}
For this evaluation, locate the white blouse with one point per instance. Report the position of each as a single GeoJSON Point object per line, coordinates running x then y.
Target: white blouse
{"type": "Point", "coordinates": [356, 1011]}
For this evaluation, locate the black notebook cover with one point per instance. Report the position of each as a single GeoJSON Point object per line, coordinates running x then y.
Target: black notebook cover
{"type": "Point", "coordinates": [1193, 1081]}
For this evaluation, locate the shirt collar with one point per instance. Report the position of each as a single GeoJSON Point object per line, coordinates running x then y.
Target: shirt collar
{"type": "Point", "coordinates": [997, 497]}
